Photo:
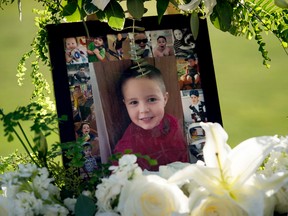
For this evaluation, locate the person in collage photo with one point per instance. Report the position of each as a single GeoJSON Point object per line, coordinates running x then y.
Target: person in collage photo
{"type": "Point", "coordinates": [79, 80]}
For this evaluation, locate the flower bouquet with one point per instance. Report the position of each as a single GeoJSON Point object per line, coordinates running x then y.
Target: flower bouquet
{"type": "Point", "coordinates": [250, 179]}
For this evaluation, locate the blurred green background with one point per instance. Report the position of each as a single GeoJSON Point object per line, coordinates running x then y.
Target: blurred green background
{"type": "Point", "coordinates": [253, 99]}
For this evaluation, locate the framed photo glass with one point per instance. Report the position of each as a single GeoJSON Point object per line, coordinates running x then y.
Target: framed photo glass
{"type": "Point", "coordinates": [86, 66]}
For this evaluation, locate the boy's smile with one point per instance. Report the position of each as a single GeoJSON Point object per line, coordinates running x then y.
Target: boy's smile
{"type": "Point", "coordinates": [145, 102]}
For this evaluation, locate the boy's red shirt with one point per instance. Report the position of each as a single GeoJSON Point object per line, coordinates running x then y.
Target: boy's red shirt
{"type": "Point", "coordinates": [164, 143]}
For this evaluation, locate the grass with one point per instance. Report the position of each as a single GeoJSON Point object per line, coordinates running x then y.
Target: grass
{"type": "Point", "coordinates": [253, 99]}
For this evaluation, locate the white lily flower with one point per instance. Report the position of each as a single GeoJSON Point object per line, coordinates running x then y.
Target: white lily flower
{"type": "Point", "coordinates": [193, 4]}
{"type": "Point", "coordinates": [229, 173]}
{"type": "Point", "coordinates": [101, 4]}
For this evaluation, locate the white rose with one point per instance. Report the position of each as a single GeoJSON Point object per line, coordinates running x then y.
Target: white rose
{"type": "Point", "coordinates": [108, 191]}
{"type": "Point", "coordinates": [216, 206]}
{"type": "Point", "coordinates": [70, 203]}
{"type": "Point", "coordinates": [56, 209]}
{"type": "Point", "coordinates": [151, 195]}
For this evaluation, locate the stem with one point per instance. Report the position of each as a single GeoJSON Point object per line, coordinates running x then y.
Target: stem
{"type": "Point", "coordinates": [26, 138]}
{"type": "Point", "coordinates": [23, 144]}
{"type": "Point", "coordinates": [19, 138]}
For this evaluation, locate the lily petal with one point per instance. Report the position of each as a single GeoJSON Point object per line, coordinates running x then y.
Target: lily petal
{"type": "Point", "coordinates": [246, 157]}
{"type": "Point", "coordinates": [192, 5]}
{"type": "Point", "coordinates": [209, 5]}
{"type": "Point", "coordinates": [202, 175]}
{"type": "Point", "coordinates": [248, 197]}
{"type": "Point", "coordinates": [273, 183]}
{"type": "Point", "coordinates": [216, 148]}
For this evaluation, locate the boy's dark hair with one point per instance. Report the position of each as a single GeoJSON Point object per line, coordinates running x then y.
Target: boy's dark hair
{"type": "Point", "coordinates": [69, 38]}
{"type": "Point", "coordinates": [148, 72]}
{"type": "Point", "coordinates": [161, 36]}
{"type": "Point", "coordinates": [194, 92]}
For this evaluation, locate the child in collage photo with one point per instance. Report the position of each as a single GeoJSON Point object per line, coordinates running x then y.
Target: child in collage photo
{"type": "Point", "coordinates": [79, 51]}
{"type": "Point", "coordinates": [189, 80]}
{"type": "Point", "coordinates": [194, 112]}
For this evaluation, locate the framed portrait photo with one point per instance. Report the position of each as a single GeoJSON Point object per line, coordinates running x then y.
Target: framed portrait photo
{"type": "Point", "coordinates": [87, 62]}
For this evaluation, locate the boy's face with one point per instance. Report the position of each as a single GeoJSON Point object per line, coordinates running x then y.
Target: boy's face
{"type": "Point", "coordinates": [119, 36]}
{"type": "Point", "coordinates": [87, 151]}
{"type": "Point", "coordinates": [191, 62]}
{"type": "Point", "coordinates": [71, 43]}
{"type": "Point", "coordinates": [178, 34]}
{"type": "Point", "coordinates": [141, 40]}
{"type": "Point", "coordinates": [145, 102]}
{"type": "Point", "coordinates": [194, 99]}
{"type": "Point", "coordinates": [98, 41]}
{"type": "Point", "coordinates": [161, 42]}
{"type": "Point", "coordinates": [85, 129]}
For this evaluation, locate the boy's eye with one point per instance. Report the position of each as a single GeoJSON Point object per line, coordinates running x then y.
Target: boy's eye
{"type": "Point", "coordinates": [152, 99]}
{"type": "Point", "coordinates": [133, 102]}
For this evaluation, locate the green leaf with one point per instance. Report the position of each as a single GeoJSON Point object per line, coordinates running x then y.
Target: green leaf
{"type": "Point", "coordinates": [135, 8]}
{"type": "Point", "coordinates": [89, 8]}
{"type": "Point", "coordinates": [10, 138]}
{"type": "Point", "coordinates": [85, 206]}
{"type": "Point", "coordinates": [221, 16]}
{"type": "Point", "coordinates": [194, 24]}
{"type": "Point", "coordinates": [70, 8]}
{"type": "Point", "coordinates": [101, 16]}
{"type": "Point", "coordinates": [161, 8]}
{"type": "Point", "coordinates": [71, 11]}
{"type": "Point", "coordinates": [115, 15]}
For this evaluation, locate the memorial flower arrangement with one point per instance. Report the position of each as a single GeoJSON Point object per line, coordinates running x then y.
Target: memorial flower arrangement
{"type": "Point", "coordinates": [250, 179]}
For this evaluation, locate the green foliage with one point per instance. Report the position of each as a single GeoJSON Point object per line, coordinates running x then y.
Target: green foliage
{"type": "Point", "coordinates": [39, 53]}
{"type": "Point", "coordinates": [43, 124]}
{"type": "Point", "coordinates": [136, 8]}
{"type": "Point", "coordinates": [251, 19]}
{"type": "Point", "coordinates": [5, 2]}
{"type": "Point", "coordinates": [90, 207]}
{"type": "Point", "coordinates": [161, 8]}
{"type": "Point", "coordinates": [248, 18]}
{"type": "Point", "coordinates": [10, 162]}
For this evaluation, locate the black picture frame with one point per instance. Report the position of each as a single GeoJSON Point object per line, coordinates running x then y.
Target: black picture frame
{"type": "Point", "coordinates": [57, 33]}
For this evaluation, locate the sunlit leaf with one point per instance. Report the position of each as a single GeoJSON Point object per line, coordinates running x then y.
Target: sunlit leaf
{"type": "Point", "coordinates": [71, 12]}
{"type": "Point", "coordinates": [115, 15]}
